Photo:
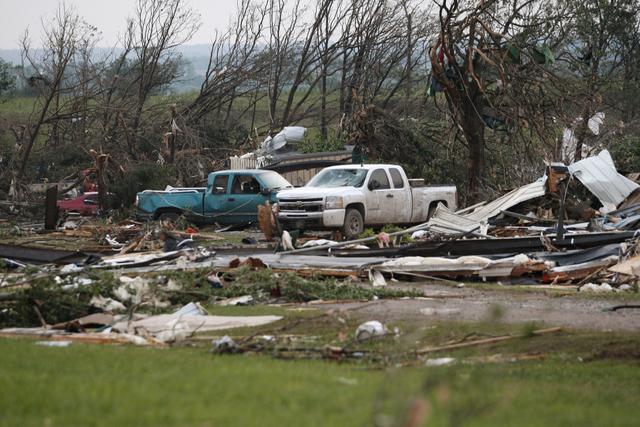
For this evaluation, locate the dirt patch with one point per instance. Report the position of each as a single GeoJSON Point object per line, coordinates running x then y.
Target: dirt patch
{"type": "Point", "coordinates": [444, 303]}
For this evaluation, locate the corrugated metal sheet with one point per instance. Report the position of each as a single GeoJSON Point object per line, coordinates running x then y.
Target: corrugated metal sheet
{"type": "Point", "coordinates": [447, 222]}
{"type": "Point", "coordinates": [599, 175]}
{"type": "Point", "coordinates": [237, 163]}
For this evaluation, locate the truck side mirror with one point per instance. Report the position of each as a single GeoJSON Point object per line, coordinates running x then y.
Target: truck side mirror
{"type": "Point", "coordinates": [265, 191]}
{"type": "Point", "coordinates": [374, 184]}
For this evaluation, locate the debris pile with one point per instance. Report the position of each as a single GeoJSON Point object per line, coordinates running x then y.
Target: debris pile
{"type": "Point", "coordinates": [576, 224]}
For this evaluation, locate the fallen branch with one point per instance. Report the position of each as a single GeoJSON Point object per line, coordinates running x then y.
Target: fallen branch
{"type": "Point", "coordinates": [485, 341]}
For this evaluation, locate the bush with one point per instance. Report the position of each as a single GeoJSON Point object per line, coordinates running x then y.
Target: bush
{"type": "Point", "coordinates": [142, 176]}
{"type": "Point", "coordinates": [313, 142]}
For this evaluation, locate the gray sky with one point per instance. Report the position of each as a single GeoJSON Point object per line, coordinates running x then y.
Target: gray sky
{"type": "Point", "coordinates": [108, 15]}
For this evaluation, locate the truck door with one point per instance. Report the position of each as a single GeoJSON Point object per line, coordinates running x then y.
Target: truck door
{"type": "Point", "coordinates": [379, 209]}
{"type": "Point", "coordinates": [244, 198]}
{"type": "Point", "coordinates": [400, 197]}
{"type": "Point", "coordinates": [215, 199]}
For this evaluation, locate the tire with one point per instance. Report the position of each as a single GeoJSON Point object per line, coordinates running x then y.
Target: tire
{"type": "Point", "coordinates": [169, 216]}
{"type": "Point", "coordinates": [353, 224]}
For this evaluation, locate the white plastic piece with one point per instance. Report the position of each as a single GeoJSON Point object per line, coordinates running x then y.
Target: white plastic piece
{"type": "Point", "coordinates": [376, 278]}
{"type": "Point", "coordinates": [370, 329]}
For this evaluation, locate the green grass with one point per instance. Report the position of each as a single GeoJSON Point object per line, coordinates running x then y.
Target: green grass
{"type": "Point", "coordinates": [17, 105]}
{"type": "Point", "coordinates": [107, 385]}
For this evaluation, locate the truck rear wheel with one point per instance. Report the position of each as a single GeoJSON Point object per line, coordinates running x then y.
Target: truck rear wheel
{"type": "Point", "coordinates": [169, 216]}
{"type": "Point", "coordinates": [353, 224]}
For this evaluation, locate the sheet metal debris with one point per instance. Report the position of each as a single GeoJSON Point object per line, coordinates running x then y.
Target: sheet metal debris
{"type": "Point", "coordinates": [599, 175]}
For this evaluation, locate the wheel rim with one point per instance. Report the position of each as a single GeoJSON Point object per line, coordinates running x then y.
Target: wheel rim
{"type": "Point", "coordinates": [354, 224]}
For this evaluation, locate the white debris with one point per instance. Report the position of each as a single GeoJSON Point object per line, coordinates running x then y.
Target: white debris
{"type": "Point", "coordinates": [191, 309]}
{"type": "Point", "coordinates": [625, 287]}
{"type": "Point", "coordinates": [226, 344]}
{"type": "Point", "coordinates": [370, 329]}
{"type": "Point", "coordinates": [595, 288]}
{"type": "Point", "coordinates": [107, 304]}
{"type": "Point", "coordinates": [376, 278]}
{"type": "Point", "coordinates": [69, 225]}
{"type": "Point", "coordinates": [440, 361]}
{"type": "Point", "coordinates": [242, 300]}
{"type": "Point", "coordinates": [420, 234]}
{"type": "Point", "coordinates": [430, 311]}
{"type": "Point", "coordinates": [599, 175]}
{"type": "Point", "coordinates": [347, 381]}
{"type": "Point", "coordinates": [318, 242]}
{"type": "Point", "coordinates": [133, 289]}
{"type": "Point", "coordinates": [54, 343]}
{"type": "Point", "coordinates": [70, 268]}
{"type": "Point", "coordinates": [76, 283]}
{"type": "Point", "coordinates": [112, 241]}
{"type": "Point", "coordinates": [135, 339]}
{"type": "Point", "coordinates": [287, 243]}
{"type": "Point", "coordinates": [521, 259]}
{"type": "Point", "coordinates": [176, 331]}
{"type": "Point", "coordinates": [356, 246]}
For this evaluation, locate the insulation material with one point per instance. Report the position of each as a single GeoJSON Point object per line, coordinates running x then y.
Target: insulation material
{"type": "Point", "coordinates": [465, 265]}
{"type": "Point", "coordinates": [599, 175]}
{"type": "Point", "coordinates": [172, 327]}
{"type": "Point", "coordinates": [630, 267]}
{"type": "Point", "coordinates": [415, 263]}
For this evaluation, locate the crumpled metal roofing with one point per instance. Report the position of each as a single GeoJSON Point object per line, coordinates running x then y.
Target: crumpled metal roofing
{"type": "Point", "coordinates": [448, 222]}
{"type": "Point", "coordinates": [599, 175]}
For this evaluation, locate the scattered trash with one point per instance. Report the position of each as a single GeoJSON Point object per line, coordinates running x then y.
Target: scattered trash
{"type": "Point", "coordinates": [369, 330]}
{"type": "Point", "coordinates": [592, 287]}
{"type": "Point", "coordinates": [429, 311]}
{"type": "Point", "coordinates": [226, 344]}
{"type": "Point", "coordinates": [107, 304]}
{"type": "Point", "coordinates": [187, 321]}
{"type": "Point", "coordinates": [348, 381]}
{"type": "Point", "coordinates": [70, 268]}
{"type": "Point", "coordinates": [287, 243]}
{"type": "Point", "coordinates": [53, 343]}
{"type": "Point", "coordinates": [376, 278]}
{"type": "Point", "coordinates": [440, 361]}
{"type": "Point", "coordinates": [242, 300]}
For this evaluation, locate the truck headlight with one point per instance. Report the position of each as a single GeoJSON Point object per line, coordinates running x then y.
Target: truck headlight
{"type": "Point", "coordinates": [334, 202]}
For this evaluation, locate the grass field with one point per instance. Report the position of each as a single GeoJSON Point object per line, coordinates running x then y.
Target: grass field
{"type": "Point", "coordinates": [85, 385]}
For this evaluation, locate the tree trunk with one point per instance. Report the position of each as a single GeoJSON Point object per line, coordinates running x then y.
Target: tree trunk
{"type": "Point", "coordinates": [473, 128]}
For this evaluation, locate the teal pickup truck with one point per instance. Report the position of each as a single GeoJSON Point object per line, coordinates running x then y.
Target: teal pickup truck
{"type": "Point", "coordinates": [230, 197]}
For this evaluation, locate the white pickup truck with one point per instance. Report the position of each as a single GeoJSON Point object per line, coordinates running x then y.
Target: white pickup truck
{"type": "Point", "coordinates": [348, 197]}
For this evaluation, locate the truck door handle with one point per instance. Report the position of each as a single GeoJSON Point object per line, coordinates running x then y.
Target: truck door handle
{"type": "Point", "coordinates": [389, 196]}
{"type": "Point", "coordinates": [231, 199]}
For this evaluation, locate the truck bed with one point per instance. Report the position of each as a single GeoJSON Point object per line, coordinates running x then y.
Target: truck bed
{"type": "Point", "coordinates": [424, 197]}
{"type": "Point", "coordinates": [188, 200]}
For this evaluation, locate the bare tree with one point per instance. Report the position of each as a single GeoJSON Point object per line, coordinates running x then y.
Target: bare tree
{"type": "Point", "coordinates": [66, 38]}
{"type": "Point", "coordinates": [490, 59]}
{"type": "Point", "coordinates": [157, 29]}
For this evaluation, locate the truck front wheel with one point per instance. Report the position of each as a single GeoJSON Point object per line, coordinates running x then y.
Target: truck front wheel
{"type": "Point", "coordinates": [353, 224]}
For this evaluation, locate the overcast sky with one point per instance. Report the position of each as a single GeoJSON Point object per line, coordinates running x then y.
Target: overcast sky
{"type": "Point", "coordinates": [108, 15]}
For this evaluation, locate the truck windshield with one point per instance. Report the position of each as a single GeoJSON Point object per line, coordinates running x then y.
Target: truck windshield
{"type": "Point", "coordinates": [338, 178]}
{"type": "Point", "coordinates": [275, 181]}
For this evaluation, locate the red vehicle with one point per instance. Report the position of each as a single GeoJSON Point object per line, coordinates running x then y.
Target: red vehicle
{"type": "Point", "coordinates": [86, 204]}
